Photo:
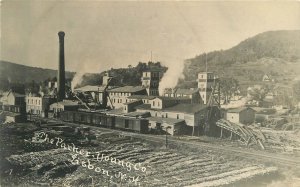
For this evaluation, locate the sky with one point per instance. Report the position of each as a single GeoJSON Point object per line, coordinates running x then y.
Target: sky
{"type": "Point", "coordinates": [102, 35]}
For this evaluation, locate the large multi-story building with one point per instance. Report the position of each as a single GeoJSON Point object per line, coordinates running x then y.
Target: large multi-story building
{"type": "Point", "coordinates": [12, 102]}
{"type": "Point", "coordinates": [150, 81]}
{"type": "Point", "coordinates": [118, 96]}
{"type": "Point", "coordinates": [192, 94]}
{"type": "Point", "coordinates": [38, 105]}
{"type": "Point", "coordinates": [206, 81]}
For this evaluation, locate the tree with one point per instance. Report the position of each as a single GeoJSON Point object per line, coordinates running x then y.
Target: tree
{"type": "Point", "coordinates": [259, 94]}
{"type": "Point", "coordinates": [228, 88]}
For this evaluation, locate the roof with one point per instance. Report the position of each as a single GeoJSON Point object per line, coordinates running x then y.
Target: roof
{"type": "Point", "coordinates": [11, 114]}
{"type": "Point", "coordinates": [205, 72]}
{"type": "Point", "coordinates": [180, 91]}
{"type": "Point", "coordinates": [129, 89]}
{"type": "Point", "coordinates": [136, 114]}
{"type": "Point", "coordinates": [182, 107]}
{"type": "Point", "coordinates": [186, 108]}
{"type": "Point", "coordinates": [141, 97]}
{"type": "Point", "coordinates": [166, 120]}
{"type": "Point", "coordinates": [267, 111]}
{"type": "Point", "coordinates": [15, 94]}
{"type": "Point", "coordinates": [115, 111]}
{"type": "Point", "coordinates": [66, 103]}
{"type": "Point", "coordinates": [172, 98]}
{"type": "Point", "coordinates": [143, 106]}
{"type": "Point", "coordinates": [90, 88]}
{"type": "Point", "coordinates": [186, 91]}
{"type": "Point", "coordinates": [170, 90]}
{"type": "Point", "coordinates": [238, 110]}
{"type": "Point", "coordinates": [135, 101]}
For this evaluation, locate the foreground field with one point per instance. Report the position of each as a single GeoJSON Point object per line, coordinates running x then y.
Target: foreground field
{"type": "Point", "coordinates": [126, 161]}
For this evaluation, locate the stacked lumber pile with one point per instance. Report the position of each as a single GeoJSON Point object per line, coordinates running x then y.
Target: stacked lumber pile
{"type": "Point", "coordinates": [246, 134]}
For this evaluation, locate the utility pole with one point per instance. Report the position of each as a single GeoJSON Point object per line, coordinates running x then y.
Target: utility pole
{"type": "Point", "coordinates": [206, 62]}
{"type": "Point", "coordinates": [167, 136]}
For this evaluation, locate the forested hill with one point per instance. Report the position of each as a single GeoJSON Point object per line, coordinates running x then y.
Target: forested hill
{"type": "Point", "coordinates": [11, 73]}
{"type": "Point", "coordinates": [18, 73]}
{"type": "Point", "coordinates": [279, 46]}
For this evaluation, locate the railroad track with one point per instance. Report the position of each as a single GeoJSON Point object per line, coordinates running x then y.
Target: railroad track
{"type": "Point", "coordinates": [253, 154]}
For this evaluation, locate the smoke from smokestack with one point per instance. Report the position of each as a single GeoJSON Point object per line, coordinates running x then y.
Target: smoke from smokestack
{"type": "Point", "coordinates": [173, 74]}
{"type": "Point", "coordinates": [77, 79]}
{"type": "Point", "coordinates": [82, 69]}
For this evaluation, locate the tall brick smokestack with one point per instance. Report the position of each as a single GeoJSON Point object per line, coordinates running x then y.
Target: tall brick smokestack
{"type": "Point", "coordinates": [61, 68]}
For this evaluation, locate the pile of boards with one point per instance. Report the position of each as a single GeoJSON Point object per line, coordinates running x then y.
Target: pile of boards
{"type": "Point", "coordinates": [247, 135]}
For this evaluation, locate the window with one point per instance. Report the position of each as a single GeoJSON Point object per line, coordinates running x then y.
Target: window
{"type": "Point", "coordinates": [166, 115]}
{"type": "Point", "coordinates": [177, 116]}
{"type": "Point", "coordinates": [155, 114]}
{"type": "Point", "coordinates": [153, 103]}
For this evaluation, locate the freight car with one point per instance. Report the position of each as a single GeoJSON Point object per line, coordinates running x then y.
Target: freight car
{"type": "Point", "coordinates": [99, 119]}
{"type": "Point", "coordinates": [132, 124]}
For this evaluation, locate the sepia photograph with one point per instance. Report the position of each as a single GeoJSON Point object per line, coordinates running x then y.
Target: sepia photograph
{"type": "Point", "coordinates": [97, 93]}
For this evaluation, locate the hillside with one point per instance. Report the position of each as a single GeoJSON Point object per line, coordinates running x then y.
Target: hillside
{"type": "Point", "coordinates": [270, 52]}
{"type": "Point", "coordinates": [20, 74]}
{"type": "Point", "coordinates": [17, 73]}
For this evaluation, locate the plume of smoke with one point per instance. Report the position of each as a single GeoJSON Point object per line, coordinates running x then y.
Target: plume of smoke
{"type": "Point", "coordinates": [173, 74]}
{"type": "Point", "coordinates": [78, 77]}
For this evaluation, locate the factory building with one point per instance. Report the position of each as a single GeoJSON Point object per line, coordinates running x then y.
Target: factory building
{"type": "Point", "coordinates": [13, 106]}
{"type": "Point", "coordinates": [145, 98]}
{"type": "Point", "coordinates": [206, 81]}
{"type": "Point", "coordinates": [38, 105]}
{"type": "Point", "coordinates": [192, 93]}
{"type": "Point", "coordinates": [58, 107]}
{"type": "Point", "coordinates": [168, 125]}
{"type": "Point", "coordinates": [193, 114]}
{"type": "Point", "coordinates": [12, 98]}
{"type": "Point", "coordinates": [150, 81]}
{"type": "Point", "coordinates": [119, 96]}
{"type": "Point", "coordinates": [97, 92]}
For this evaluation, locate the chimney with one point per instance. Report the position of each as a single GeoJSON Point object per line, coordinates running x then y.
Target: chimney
{"type": "Point", "coordinates": [61, 68]}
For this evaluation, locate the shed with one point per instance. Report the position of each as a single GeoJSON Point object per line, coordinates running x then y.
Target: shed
{"type": "Point", "coordinates": [168, 125]}
{"type": "Point", "coordinates": [244, 115]}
